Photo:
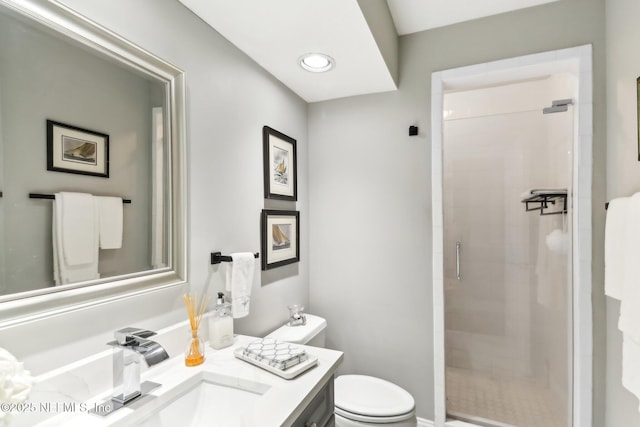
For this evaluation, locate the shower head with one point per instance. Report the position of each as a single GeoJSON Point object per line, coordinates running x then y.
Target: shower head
{"type": "Point", "coordinates": [558, 106]}
{"type": "Point", "coordinates": [558, 109]}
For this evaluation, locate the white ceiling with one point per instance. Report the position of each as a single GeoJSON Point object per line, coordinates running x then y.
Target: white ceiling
{"type": "Point", "coordinates": [411, 16]}
{"type": "Point", "coordinates": [276, 33]}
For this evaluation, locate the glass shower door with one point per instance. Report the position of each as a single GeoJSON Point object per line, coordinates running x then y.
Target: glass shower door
{"type": "Point", "coordinates": [507, 276]}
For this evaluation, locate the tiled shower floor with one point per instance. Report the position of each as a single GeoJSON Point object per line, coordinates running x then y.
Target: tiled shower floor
{"type": "Point", "coordinates": [508, 403]}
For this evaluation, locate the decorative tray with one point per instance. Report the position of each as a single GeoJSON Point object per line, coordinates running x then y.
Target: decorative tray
{"type": "Point", "coordinates": [288, 373]}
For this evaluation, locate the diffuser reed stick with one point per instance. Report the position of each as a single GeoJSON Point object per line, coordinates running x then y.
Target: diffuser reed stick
{"type": "Point", "coordinates": [195, 351]}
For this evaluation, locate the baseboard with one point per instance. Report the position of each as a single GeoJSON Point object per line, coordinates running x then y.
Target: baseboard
{"type": "Point", "coordinates": [422, 422]}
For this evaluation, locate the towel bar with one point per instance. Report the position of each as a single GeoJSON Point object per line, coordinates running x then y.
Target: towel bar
{"type": "Point", "coordinates": [540, 199]}
{"type": "Point", "coordinates": [52, 197]}
{"type": "Point", "coordinates": [217, 257]}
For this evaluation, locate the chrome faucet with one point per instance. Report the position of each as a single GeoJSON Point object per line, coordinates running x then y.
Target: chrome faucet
{"type": "Point", "coordinates": [130, 346]}
{"type": "Point", "coordinates": [136, 339]}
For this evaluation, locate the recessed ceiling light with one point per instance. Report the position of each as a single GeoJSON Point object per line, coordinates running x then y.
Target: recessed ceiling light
{"type": "Point", "coordinates": [316, 62]}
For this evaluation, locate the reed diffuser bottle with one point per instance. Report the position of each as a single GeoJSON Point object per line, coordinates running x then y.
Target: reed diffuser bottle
{"type": "Point", "coordinates": [194, 355]}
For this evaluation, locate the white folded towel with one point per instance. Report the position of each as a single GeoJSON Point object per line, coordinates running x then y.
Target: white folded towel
{"type": "Point", "coordinates": [75, 238]}
{"type": "Point", "coordinates": [110, 222]}
{"type": "Point", "coordinates": [629, 322]}
{"type": "Point", "coordinates": [240, 282]}
{"type": "Point", "coordinates": [614, 246]}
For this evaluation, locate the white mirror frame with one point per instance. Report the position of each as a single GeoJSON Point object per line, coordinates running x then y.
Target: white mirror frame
{"type": "Point", "coordinates": [29, 306]}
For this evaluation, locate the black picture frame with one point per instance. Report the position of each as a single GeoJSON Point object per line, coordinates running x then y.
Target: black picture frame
{"type": "Point", "coordinates": [280, 165]}
{"type": "Point", "coordinates": [72, 149]}
{"type": "Point", "coordinates": [280, 235]}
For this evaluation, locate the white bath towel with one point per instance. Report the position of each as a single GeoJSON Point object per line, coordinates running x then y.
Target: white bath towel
{"type": "Point", "coordinates": [622, 249]}
{"type": "Point", "coordinates": [78, 223]}
{"type": "Point", "coordinates": [110, 222]}
{"type": "Point", "coordinates": [75, 238]}
{"type": "Point", "coordinates": [631, 366]}
{"type": "Point", "coordinates": [614, 246]}
{"type": "Point", "coordinates": [551, 267]}
{"type": "Point", "coordinates": [629, 322]}
{"type": "Point", "coordinates": [558, 241]}
{"type": "Point", "coordinates": [240, 281]}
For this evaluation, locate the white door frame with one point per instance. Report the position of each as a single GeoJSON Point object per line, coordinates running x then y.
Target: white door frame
{"type": "Point", "coordinates": [576, 61]}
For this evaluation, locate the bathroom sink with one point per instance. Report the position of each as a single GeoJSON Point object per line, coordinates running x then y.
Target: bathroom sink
{"type": "Point", "coordinates": [198, 401]}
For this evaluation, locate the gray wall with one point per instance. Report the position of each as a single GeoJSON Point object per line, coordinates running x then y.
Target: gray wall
{"type": "Point", "coordinates": [623, 175]}
{"type": "Point", "coordinates": [229, 99]}
{"type": "Point", "coordinates": [371, 187]}
{"type": "Point", "coordinates": [370, 212]}
{"type": "Point", "coordinates": [47, 78]}
{"type": "Point", "coordinates": [378, 17]}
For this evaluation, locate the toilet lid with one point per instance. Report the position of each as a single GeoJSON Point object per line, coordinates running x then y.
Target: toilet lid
{"type": "Point", "coordinates": [370, 396]}
{"type": "Point", "coordinates": [300, 334]}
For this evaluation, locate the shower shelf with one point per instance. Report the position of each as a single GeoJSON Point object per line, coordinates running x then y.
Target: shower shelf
{"type": "Point", "coordinates": [539, 200]}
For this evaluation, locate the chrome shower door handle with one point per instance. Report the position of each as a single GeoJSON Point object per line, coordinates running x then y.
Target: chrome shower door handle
{"type": "Point", "coordinates": [458, 275]}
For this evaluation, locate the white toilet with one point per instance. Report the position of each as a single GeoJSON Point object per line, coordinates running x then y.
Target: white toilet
{"type": "Point", "coordinates": [360, 400]}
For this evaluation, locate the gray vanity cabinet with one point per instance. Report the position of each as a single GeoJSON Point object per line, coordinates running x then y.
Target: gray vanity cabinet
{"type": "Point", "coordinates": [319, 413]}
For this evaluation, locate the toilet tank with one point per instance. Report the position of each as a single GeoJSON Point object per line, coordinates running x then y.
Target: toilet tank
{"type": "Point", "coordinates": [313, 333]}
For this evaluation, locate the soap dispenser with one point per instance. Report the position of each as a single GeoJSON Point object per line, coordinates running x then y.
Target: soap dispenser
{"type": "Point", "coordinates": [221, 324]}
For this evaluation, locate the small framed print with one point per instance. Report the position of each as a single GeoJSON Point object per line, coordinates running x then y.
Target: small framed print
{"type": "Point", "coordinates": [75, 150]}
{"type": "Point", "coordinates": [280, 167]}
{"type": "Point", "coordinates": [280, 238]}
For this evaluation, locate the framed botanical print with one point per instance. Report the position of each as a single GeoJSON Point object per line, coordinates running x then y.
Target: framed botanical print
{"type": "Point", "coordinates": [280, 167]}
{"type": "Point", "coordinates": [280, 238]}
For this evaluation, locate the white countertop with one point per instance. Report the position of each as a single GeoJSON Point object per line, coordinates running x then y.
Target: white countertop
{"type": "Point", "coordinates": [281, 403]}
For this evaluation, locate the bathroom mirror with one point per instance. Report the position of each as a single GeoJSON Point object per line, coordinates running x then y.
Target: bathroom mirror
{"type": "Point", "coordinates": [104, 104]}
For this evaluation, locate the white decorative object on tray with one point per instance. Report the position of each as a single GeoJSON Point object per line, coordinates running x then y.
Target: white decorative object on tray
{"type": "Point", "coordinates": [278, 354]}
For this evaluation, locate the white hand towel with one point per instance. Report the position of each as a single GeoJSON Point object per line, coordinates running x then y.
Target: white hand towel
{"type": "Point", "coordinates": [240, 280]}
{"type": "Point", "coordinates": [614, 246]}
{"type": "Point", "coordinates": [75, 238]}
{"type": "Point", "coordinates": [629, 322]}
{"type": "Point", "coordinates": [110, 222]}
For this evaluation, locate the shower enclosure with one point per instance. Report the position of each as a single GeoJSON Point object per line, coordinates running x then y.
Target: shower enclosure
{"type": "Point", "coordinates": [507, 171]}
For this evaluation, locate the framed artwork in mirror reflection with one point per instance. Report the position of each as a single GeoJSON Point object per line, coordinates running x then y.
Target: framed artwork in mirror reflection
{"type": "Point", "coordinates": [280, 234]}
{"type": "Point", "coordinates": [75, 150]}
{"type": "Point", "coordinates": [280, 167]}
